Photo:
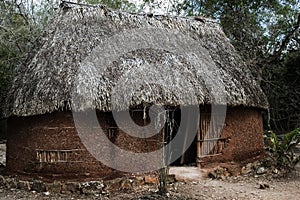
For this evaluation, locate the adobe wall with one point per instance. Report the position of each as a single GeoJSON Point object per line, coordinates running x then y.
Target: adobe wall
{"type": "Point", "coordinates": [29, 138]}
{"type": "Point", "coordinates": [244, 129]}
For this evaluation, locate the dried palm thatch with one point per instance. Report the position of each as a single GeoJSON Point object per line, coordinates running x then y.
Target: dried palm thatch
{"type": "Point", "coordinates": [68, 71]}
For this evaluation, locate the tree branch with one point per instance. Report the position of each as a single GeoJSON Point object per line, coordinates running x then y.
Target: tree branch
{"type": "Point", "coordinates": [4, 28]}
{"type": "Point", "coordinates": [22, 14]}
{"type": "Point", "coordinates": [12, 33]}
{"type": "Point", "coordinates": [285, 41]}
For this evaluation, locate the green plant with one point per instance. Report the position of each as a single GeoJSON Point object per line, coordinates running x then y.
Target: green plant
{"type": "Point", "coordinates": [281, 150]}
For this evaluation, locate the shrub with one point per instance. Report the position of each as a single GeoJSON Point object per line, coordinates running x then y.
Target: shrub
{"type": "Point", "coordinates": [281, 150]}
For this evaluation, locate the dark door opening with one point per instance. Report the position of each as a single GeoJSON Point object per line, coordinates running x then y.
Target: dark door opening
{"type": "Point", "coordinates": [207, 142]}
{"type": "Point", "coordinates": [187, 158]}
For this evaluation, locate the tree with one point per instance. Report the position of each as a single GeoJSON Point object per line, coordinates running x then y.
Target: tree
{"type": "Point", "coordinates": [282, 86]}
{"type": "Point", "coordinates": [21, 24]}
{"type": "Point", "coordinates": [17, 36]}
{"type": "Point", "coordinates": [266, 34]}
{"type": "Point", "coordinates": [257, 29]}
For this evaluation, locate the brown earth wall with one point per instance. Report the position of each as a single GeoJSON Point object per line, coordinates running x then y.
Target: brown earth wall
{"type": "Point", "coordinates": [244, 129]}
{"type": "Point", "coordinates": [56, 132]}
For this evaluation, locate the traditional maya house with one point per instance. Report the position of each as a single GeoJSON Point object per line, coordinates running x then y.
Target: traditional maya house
{"type": "Point", "coordinates": [42, 137]}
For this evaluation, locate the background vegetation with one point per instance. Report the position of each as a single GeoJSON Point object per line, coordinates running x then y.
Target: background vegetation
{"type": "Point", "coordinates": [281, 150]}
{"type": "Point", "coordinates": [265, 32]}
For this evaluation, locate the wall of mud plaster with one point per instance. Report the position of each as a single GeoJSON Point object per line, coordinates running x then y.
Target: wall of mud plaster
{"type": "Point", "coordinates": [244, 129]}
{"type": "Point", "coordinates": [49, 145]}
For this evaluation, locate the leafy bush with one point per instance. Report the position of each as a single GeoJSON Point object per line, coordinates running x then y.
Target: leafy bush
{"type": "Point", "coordinates": [281, 150]}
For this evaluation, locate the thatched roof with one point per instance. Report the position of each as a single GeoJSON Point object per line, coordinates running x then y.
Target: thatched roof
{"type": "Point", "coordinates": [68, 71]}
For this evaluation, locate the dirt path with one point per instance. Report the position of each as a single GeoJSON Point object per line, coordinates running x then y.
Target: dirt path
{"type": "Point", "coordinates": [239, 188]}
{"type": "Point", "coordinates": [244, 188]}
{"type": "Point", "coordinates": [230, 188]}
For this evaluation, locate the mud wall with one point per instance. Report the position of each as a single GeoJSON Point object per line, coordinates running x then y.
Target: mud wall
{"type": "Point", "coordinates": [49, 146]}
{"type": "Point", "coordinates": [244, 129]}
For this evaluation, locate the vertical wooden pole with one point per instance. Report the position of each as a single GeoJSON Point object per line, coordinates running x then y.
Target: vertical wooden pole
{"type": "Point", "coordinates": [198, 147]}
{"type": "Point", "coordinates": [163, 170]}
{"type": "Point", "coordinates": [199, 139]}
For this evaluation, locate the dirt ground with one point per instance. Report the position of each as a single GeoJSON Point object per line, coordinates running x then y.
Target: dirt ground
{"type": "Point", "coordinates": [192, 187]}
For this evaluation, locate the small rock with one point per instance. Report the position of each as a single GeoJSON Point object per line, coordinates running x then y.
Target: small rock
{"type": "Point", "coordinates": [275, 171]}
{"type": "Point", "coordinates": [11, 183]}
{"type": "Point", "coordinates": [126, 184]}
{"type": "Point", "coordinates": [264, 186]}
{"type": "Point", "coordinates": [150, 180]}
{"type": "Point", "coordinates": [92, 187]}
{"type": "Point", "coordinates": [234, 170]}
{"type": "Point", "coordinates": [256, 164]}
{"type": "Point", "coordinates": [139, 181]}
{"type": "Point", "coordinates": [246, 170]}
{"type": "Point", "coordinates": [226, 174]}
{"type": "Point", "coordinates": [216, 174]}
{"type": "Point", "coordinates": [47, 193]}
{"type": "Point", "coordinates": [24, 185]}
{"type": "Point", "coordinates": [261, 170]}
{"type": "Point", "coordinates": [38, 186]}
{"type": "Point", "coordinates": [113, 185]}
{"type": "Point", "coordinates": [249, 166]}
{"type": "Point", "coordinates": [213, 175]}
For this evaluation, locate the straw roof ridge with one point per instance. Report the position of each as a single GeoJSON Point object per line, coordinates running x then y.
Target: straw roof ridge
{"type": "Point", "coordinates": [65, 74]}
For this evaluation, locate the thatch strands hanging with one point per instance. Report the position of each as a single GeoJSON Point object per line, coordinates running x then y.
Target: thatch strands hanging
{"type": "Point", "coordinates": [46, 83]}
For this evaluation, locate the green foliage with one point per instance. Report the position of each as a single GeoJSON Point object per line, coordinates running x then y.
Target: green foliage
{"type": "Point", "coordinates": [281, 151]}
{"type": "Point", "coordinates": [282, 86]}
{"type": "Point", "coordinates": [21, 24]}
{"type": "Point", "coordinates": [16, 34]}
{"type": "Point", "coordinates": [256, 28]}
{"type": "Point", "coordinates": [266, 34]}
